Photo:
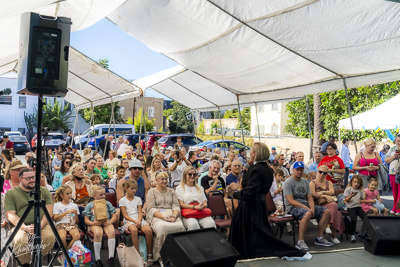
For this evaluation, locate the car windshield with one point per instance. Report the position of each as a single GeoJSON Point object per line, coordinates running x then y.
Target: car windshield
{"type": "Point", "coordinates": [205, 143]}
{"type": "Point", "coordinates": [88, 130]}
{"type": "Point", "coordinates": [11, 134]}
{"type": "Point", "coordinates": [58, 136]}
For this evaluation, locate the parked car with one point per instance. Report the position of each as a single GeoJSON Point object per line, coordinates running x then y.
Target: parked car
{"type": "Point", "coordinates": [223, 145]}
{"type": "Point", "coordinates": [133, 138]}
{"type": "Point", "coordinates": [21, 144]}
{"type": "Point", "coordinates": [33, 141]}
{"type": "Point", "coordinates": [12, 133]}
{"type": "Point", "coordinates": [54, 140]}
{"type": "Point", "coordinates": [188, 140]}
{"type": "Point", "coordinates": [99, 130]}
{"type": "Point", "coordinates": [150, 139]}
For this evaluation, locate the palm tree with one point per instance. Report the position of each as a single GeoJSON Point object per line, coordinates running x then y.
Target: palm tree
{"type": "Point", "coordinates": [318, 125]}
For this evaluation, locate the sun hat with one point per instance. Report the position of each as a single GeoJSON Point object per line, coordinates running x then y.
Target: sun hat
{"type": "Point", "coordinates": [135, 164]}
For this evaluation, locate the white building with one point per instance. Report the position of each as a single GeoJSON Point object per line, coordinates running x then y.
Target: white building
{"type": "Point", "coordinates": [13, 107]}
{"type": "Point", "coordinates": [272, 119]}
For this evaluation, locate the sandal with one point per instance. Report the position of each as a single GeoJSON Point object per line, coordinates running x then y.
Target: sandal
{"type": "Point", "coordinates": [150, 260]}
{"type": "Point", "coordinates": [161, 263]}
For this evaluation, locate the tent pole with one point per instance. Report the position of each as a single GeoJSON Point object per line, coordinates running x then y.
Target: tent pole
{"type": "Point", "coordinates": [349, 110]}
{"type": "Point", "coordinates": [258, 125]}
{"type": "Point", "coordinates": [195, 130]}
{"type": "Point", "coordinates": [309, 128]}
{"type": "Point", "coordinates": [140, 129]}
{"type": "Point", "coordinates": [95, 142]}
{"type": "Point", "coordinates": [73, 132]}
{"type": "Point", "coordinates": [340, 142]}
{"type": "Point", "coordinates": [240, 117]}
{"type": "Point", "coordinates": [220, 124]}
{"type": "Point", "coordinates": [145, 130]}
{"type": "Point", "coordinates": [109, 128]}
{"type": "Point", "coordinates": [79, 133]}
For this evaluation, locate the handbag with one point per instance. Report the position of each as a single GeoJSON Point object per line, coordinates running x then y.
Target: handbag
{"type": "Point", "coordinates": [128, 256]}
{"type": "Point", "coordinates": [197, 214]}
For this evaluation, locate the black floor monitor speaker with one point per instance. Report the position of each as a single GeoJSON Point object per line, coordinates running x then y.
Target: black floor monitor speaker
{"type": "Point", "coordinates": [43, 55]}
{"type": "Point", "coordinates": [381, 235]}
{"type": "Point", "coordinates": [203, 247]}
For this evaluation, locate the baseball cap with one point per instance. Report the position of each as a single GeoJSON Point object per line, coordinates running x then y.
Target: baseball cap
{"type": "Point", "coordinates": [274, 162]}
{"type": "Point", "coordinates": [74, 147]}
{"type": "Point", "coordinates": [298, 164]}
{"type": "Point", "coordinates": [170, 148]}
{"type": "Point", "coordinates": [135, 164]}
{"type": "Point", "coordinates": [273, 147]}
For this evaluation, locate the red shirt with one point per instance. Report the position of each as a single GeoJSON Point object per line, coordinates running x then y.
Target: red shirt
{"type": "Point", "coordinates": [329, 162]}
{"type": "Point", "coordinates": [9, 144]}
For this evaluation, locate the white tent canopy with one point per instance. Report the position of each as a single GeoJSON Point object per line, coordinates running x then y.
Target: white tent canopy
{"type": "Point", "coordinates": [90, 83]}
{"type": "Point", "coordinates": [265, 51]}
{"type": "Point", "coordinates": [379, 116]}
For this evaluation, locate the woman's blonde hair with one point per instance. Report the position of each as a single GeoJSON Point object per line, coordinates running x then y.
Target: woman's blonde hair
{"type": "Point", "coordinates": [369, 142]}
{"type": "Point", "coordinates": [73, 169]}
{"type": "Point", "coordinates": [96, 189]}
{"type": "Point", "coordinates": [262, 151]}
{"type": "Point", "coordinates": [87, 151]}
{"type": "Point", "coordinates": [128, 183]}
{"type": "Point", "coordinates": [161, 175]}
{"type": "Point", "coordinates": [8, 168]}
{"type": "Point", "coordinates": [217, 149]}
{"type": "Point", "coordinates": [126, 142]}
{"type": "Point", "coordinates": [185, 174]}
{"type": "Point", "coordinates": [156, 145]}
{"type": "Point", "coordinates": [152, 168]}
{"type": "Point", "coordinates": [113, 153]}
{"type": "Point", "coordinates": [60, 191]}
{"type": "Point", "coordinates": [323, 167]}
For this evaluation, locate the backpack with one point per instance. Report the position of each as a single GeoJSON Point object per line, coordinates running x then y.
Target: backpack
{"type": "Point", "coordinates": [340, 202]}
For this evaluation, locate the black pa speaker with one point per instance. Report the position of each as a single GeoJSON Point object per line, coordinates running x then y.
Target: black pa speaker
{"type": "Point", "coordinates": [381, 235]}
{"type": "Point", "coordinates": [202, 247]}
{"type": "Point", "coordinates": [43, 55]}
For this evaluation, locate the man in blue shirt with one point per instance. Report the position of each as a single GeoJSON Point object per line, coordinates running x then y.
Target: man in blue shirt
{"type": "Point", "coordinates": [345, 155]}
{"type": "Point", "coordinates": [273, 154]}
{"type": "Point", "coordinates": [312, 168]}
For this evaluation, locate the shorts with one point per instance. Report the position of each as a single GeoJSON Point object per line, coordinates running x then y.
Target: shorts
{"type": "Point", "coordinates": [298, 213]}
{"type": "Point", "coordinates": [66, 227]}
{"type": "Point", "coordinates": [129, 223]}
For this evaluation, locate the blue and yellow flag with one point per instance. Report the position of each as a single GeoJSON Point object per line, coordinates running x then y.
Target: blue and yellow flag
{"type": "Point", "coordinates": [363, 128]}
{"type": "Point", "coordinates": [342, 127]}
{"type": "Point", "coordinates": [377, 129]}
{"type": "Point", "coordinates": [396, 130]}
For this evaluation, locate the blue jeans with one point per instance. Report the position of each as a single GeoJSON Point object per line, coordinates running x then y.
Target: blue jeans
{"type": "Point", "coordinates": [346, 176]}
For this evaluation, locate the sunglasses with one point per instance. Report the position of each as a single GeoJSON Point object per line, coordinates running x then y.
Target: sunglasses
{"type": "Point", "coordinates": [191, 174]}
{"type": "Point", "coordinates": [68, 162]}
{"type": "Point", "coordinates": [321, 172]}
{"type": "Point", "coordinates": [136, 168]}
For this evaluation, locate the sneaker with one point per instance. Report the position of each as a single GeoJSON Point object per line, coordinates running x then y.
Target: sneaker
{"type": "Point", "coordinates": [323, 242]}
{"type": "Point", "coordinates": [110, 262]}
{"type": "Point", "coordinates": [335, 241]}
{"type": "Point", "coordinates": [61, 259]}
{"type": "Point", "coordinates": [314, 221]}
{"type": "Point", "coordinates": [328, 231]}
{"type": "Point", "coordinates": [99, 264]}
{"type": "Point", "coordinates": [302, 246]}
{"type": "Point", "coordinates": [353, 239]}
{"type": "Point", "coordinates": [392, 212]}
{"type": "Point", "coordinates": [289, 228]}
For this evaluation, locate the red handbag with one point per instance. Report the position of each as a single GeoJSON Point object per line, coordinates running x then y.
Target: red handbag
{"type": "Point", "coordinates": [197, 214]}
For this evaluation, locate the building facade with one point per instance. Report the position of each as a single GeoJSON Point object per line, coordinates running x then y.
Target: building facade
{"type": "Point", "coordinates": [152, 106]}
{"type": "Point", "coordinates": [272, 119]}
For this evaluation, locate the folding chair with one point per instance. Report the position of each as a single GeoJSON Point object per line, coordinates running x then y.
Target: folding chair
{"type": "Point", "coordinates": [279, 222]}
{"type": "Point", "coordinates": [217, 206]}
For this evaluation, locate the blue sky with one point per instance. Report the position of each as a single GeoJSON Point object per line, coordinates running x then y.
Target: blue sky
{"type": "Point", "coordinates": [127, 56]}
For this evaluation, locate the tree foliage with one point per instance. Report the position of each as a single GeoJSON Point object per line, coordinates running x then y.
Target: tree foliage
{"type": "Point", "coordinates": [246, 119]}
{"type": "Point", "coordinates": [200, 129]}
{"type": "Point", "coordinates": [138, 118]}
{"type": "Point", "coordinates": [334, 108]}
{"type": "Point", "coordinates": [180, 118]}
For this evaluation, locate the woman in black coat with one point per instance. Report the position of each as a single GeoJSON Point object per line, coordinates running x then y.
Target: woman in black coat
{"type": "Point", "coordinates": [250, 231]}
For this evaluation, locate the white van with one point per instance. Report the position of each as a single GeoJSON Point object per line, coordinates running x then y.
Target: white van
{"type": "Point", "coordinates": [98, 130]}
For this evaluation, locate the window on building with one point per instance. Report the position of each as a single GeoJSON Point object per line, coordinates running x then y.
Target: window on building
{"type": "Point", "coordinates": [22, 101]}
{"type": "Point", "coordinates": [260, 108]}
{"type": "Point", "coordinates": [151, 112]}
{"type": "Point", "coordinates": [274, 106]}
{"type": "Point", "coordinates": [208, 130]}
{"type": "Point", "coordinates": [21, 130]}
{"type": "Point", "coordinates": [5, 100]}
{"type": "Point", "coordinates": [69, 105]}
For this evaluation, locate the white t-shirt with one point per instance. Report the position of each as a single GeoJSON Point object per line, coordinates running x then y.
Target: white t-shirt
{"type": "Point", "coordinates": [131, 206]}
{"type": "Point", "coordinates": [113, 183]}
{"type": "Point", "coordinates": [177, 174]}
{"type": "Point", "coordinates": [60, 208]}
{"type": "Point", "coordinates": [191, 194]}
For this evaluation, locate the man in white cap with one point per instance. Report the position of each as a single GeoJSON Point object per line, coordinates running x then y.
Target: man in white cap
{"type": "Point", "coordinates": [136, 168]}
{"type": "Point", "coordinates": [168, 152]}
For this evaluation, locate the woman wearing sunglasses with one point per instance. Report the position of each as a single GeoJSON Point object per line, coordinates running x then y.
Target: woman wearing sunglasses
{"type": "Point", "coordinates": [323, 194]}
{"type": "Point", "coordinates": [59, 175]}
{"type": "Point", "coordinates": [191, 196]}
{"type": "Point", "coordinates": [335, 164]}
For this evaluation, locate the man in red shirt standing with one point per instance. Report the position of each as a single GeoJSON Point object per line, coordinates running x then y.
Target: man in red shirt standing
{"type": "Point", "coordinates": [9, 144]}
{"type": "Point", "coordinates": [334, 163]}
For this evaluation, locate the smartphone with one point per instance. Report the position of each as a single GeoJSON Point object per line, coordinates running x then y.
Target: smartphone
{"type": "Point", "coordinates": [177, 153]}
